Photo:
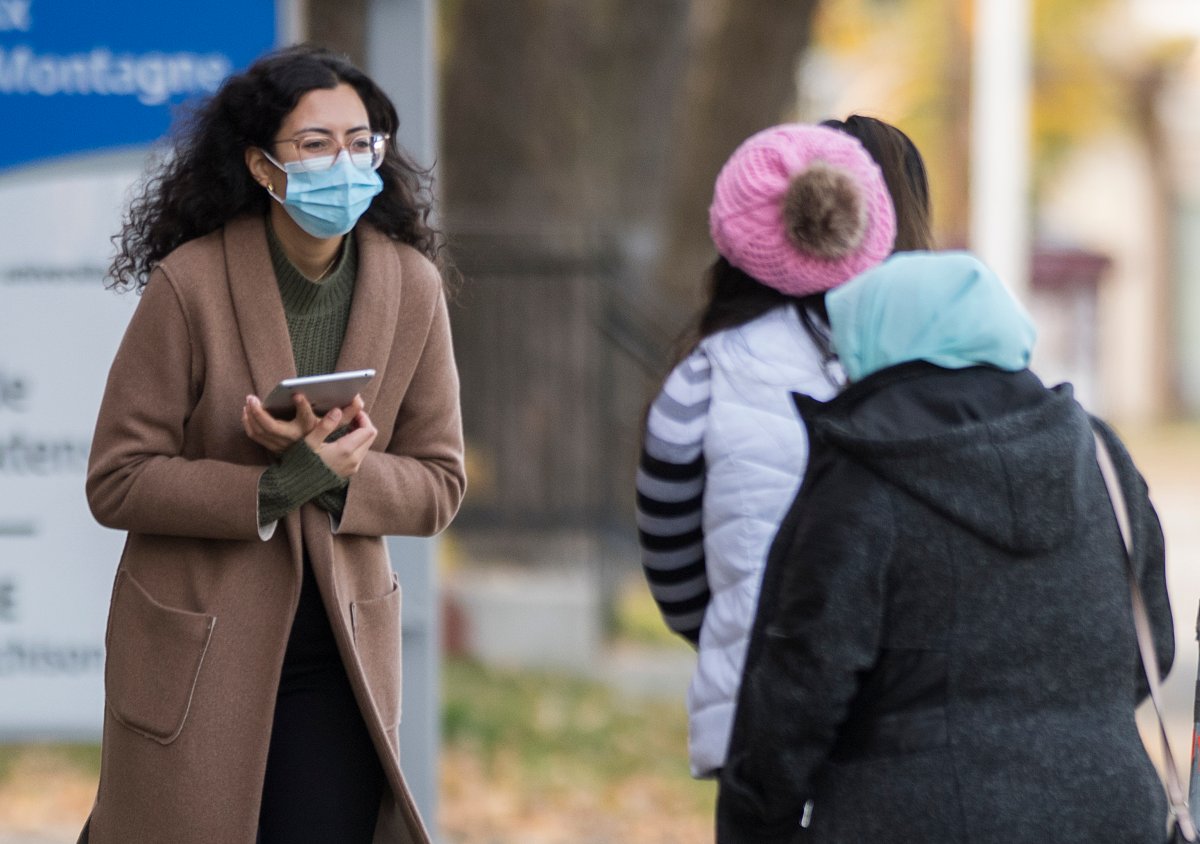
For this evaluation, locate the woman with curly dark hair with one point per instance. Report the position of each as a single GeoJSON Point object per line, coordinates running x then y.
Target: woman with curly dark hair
{"type": "Point", "coordinates": [253, 670]}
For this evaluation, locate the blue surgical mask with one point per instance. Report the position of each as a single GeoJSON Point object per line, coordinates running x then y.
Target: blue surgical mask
{"type": "Point", "coordinates": [327, 203]}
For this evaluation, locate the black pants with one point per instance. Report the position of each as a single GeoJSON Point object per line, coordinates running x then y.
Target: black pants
{"type": "Point", "coordinates": [324, 780]}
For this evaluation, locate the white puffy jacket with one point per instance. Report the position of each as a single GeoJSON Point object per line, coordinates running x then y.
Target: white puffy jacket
{"type": "Point", "coordinates": [755, 451]}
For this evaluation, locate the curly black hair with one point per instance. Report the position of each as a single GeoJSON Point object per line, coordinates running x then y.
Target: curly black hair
{"type": "Point", "coordinates": [205, 183]}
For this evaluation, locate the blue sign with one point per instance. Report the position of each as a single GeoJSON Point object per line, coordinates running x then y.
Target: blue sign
{"type": "Point", "coordinates": [82, 75]}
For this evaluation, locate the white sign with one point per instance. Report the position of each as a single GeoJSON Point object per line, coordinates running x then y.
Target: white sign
{"type": "Point", "coordinates": [76, 78]}
{"type": "Point", "coordinates": [59, 329]}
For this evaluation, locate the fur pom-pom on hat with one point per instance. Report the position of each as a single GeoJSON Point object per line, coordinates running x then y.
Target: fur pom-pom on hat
{"type": "Point", "coordinates": [802, 209]}
{"type": "Point", "coordinates": [823, 212]}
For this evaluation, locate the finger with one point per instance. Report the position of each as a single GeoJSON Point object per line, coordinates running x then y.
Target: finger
{"type": "Point", "coordinates": [256, 433]}
{"type": "Point", "coordinates": [265, 441]}
{"type": "Point", "coordinates": [251, 423]}
{"type": "Point", "coordinates": [331, 420]}
{"type": "Point", "coordinates": [262, 428]}
{"type": "Point", "coordinates": [260, 415]}
{"type": "Point", "coordinates": [355, 407]}
{"type": "Point", "coordinates": [324, 427]}
{"type": "Point", "coordinates": [360, 453]}
{"type": "Point", "coordinates": [366, 424]}
{"type": "Point", "coordinates": [363, 420]}
{"type": "Point", "coordinates": [356, 440]}
{"type": "Point", "coordinates": [351, 450]}
{"type": "Point", "coordinates": [306, 417]}
{"type": "Point", "coordinates": [283, 431]}
{"type": "Point", "coordinates": [264, 434]}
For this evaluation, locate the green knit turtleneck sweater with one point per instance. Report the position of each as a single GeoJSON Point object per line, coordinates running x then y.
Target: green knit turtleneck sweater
{"type": "Point", "coordinates": [317, 314]}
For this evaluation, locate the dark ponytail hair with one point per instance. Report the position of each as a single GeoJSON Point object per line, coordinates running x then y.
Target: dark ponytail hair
{"type": "Point", "coordinates": [205, 182]}
{"type": "Point", "coordinates": [736, 298]}
{"type": "Point", "coordinates": [903, 170]}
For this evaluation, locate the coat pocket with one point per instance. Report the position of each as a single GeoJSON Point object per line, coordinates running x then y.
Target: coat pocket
{"type": "Point", "coordinates": [154, 658]}
{"type": "Point", "coordinates": [376, 624]}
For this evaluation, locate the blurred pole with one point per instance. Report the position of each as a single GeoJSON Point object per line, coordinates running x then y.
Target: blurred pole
{"type": "Point", "coordinates": [1000, 139]}
{"type": "Point", "coordinates": [399, 44]}
{"type": "Point", "coordinates": [393, 40]}
{"type": "Point", "coordinates": [1194, 784]}
{"type": "Point", "coordinates": [289, 21]}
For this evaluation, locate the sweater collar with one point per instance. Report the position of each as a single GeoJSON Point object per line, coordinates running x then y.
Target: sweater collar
{"type": "Point", "coordinates": [262, 322]}
{"type": "Point", "coordinates": [301, 294]}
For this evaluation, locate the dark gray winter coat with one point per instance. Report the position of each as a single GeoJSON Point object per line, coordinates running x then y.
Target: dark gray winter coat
{"type": "Point", "coordinates": [944, 650]}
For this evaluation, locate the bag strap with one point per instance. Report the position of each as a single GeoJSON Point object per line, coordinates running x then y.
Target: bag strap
{"type": "Point", "coordinates": [1145, 639]}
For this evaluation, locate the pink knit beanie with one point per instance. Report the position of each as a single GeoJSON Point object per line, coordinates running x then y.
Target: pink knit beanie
{"type": "Point", "coordinates": [802, 209]}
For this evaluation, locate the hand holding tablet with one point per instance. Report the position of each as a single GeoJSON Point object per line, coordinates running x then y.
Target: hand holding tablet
{"type": "Point", "coordinates": [324, 392]}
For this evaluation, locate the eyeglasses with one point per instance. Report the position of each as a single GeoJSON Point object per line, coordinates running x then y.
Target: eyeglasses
{"type": "Point", "coordinates": [316, 152]}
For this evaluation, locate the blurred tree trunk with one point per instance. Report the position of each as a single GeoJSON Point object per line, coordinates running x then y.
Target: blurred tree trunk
{"type": "Point", "coordinates": [953, 186]}
{"type": "Point", "coordinates": [741, 77]}
{"type": "Point", "coordinates": [552, 170]}
{"type": "Point", "coordinates": [613, 113]}
{"type": "Point", "coordinates": [338, 24]}
{"type": "Point", "coordinates": [580, 139]}
{"type": "Point", "coordinates": [552, 109]}
{"type": "Point", "coordinates": [1146, 92]}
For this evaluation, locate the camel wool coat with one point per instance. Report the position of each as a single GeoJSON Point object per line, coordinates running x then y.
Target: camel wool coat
{"type": "Point", "coordinates": [202, 605]}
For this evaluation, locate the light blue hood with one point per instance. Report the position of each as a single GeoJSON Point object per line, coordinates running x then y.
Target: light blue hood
{"type": "Point", "coordinates": [946, 308]}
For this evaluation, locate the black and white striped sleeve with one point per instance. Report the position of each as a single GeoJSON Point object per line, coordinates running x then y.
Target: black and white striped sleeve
{"type": "Point", "coordinates": [670, 492]}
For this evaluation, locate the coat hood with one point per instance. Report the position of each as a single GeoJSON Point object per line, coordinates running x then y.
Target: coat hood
{"type": "Point", "coordinates": [947, 308]}
{"type": "Point", "coordinates": [995, 452]}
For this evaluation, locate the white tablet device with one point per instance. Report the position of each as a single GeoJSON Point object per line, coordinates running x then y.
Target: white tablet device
{"type": "Point", "coordinates": [324, 392]}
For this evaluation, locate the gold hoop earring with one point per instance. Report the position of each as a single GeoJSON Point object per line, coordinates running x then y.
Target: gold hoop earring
{"type": "Point", "coordinates": [270, 187]}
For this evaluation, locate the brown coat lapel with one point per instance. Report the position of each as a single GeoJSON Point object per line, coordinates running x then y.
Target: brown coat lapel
{"type": "Point", "coordinates": [261, 324]}
{"type": "Point", "coordinates": [375, 312]}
